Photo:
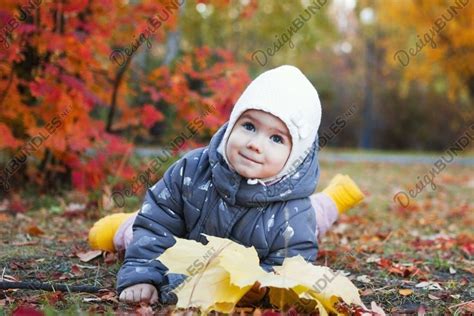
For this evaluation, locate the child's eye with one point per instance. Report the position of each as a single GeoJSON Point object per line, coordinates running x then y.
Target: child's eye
{"type": "Point", "coordinates": [248, 126]}
{"type": "Point", "coordinates": [277, 139]}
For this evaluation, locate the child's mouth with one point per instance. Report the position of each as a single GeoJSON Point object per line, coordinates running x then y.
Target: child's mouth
{"type": "Point", "coordinates": [254, 161]}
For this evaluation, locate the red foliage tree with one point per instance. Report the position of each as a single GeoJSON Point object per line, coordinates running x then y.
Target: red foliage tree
{"type": "Point", "coordinates": [69, 109]}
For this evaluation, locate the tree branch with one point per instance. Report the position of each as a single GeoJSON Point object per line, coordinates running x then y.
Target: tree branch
{"type": "Point", "coordinates": [4, 285]}
{"type": "Point", "coordinates": [113, 101]}
{"type": "Point", "coordinates": [5, 92]}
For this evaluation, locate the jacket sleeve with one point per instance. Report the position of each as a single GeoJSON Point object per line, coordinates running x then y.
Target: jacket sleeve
{"type": "Point", "coordinates": [296, 236]}
{"type": "Point", "coordinates": [158, 221]}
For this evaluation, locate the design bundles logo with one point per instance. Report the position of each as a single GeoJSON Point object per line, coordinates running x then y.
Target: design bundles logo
{"type": "Point", "coordinates": [260, 56]}
{"type": "Point", "coordinates": [14, 22]}
{"type": "Point", "coordinates": [198, 266]}
{"type": "Point", "coordinates": [336, 127]}
{"type": "Point", "coordinates": [33, 144]}
{"type": "Point", "coordinates": [120, 56]}
{"type": "Point", "coordinates": [459, 145]}
{"type": "Point", "coordinates": [404, 57]}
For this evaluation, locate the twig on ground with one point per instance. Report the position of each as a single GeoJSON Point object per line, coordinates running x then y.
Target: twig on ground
{"type": "Point", "coordinates": [388, 237]}
{"type": "Point", "coordinates": [97, 275]}
{"type": "Point", "coordinates": [460, 304]}
{"type": "Point", "coordinates": [48, 287]}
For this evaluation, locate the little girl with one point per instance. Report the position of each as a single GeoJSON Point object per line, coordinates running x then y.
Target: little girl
{"type": "Point", "coordinates": [253, 184]}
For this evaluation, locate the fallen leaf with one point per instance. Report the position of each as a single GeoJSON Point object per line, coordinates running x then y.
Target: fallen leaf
{"type": "Point", "coordinates": [468, 249]}
{"type": "Point", "coordinates": [429, 285]}
{"type": "Point", "coordinates": [106, 295]}
{"type": "Point", "coordinates": [89, 255]}
{"type": "Point", "coordinates": [75, 213]}
{"type": "Point", "coordinates": [377, 310]}
{"type": "Point", "coordinates": [34, 230]}
{"type": "Point", "coordinates": [10, 278]}
{"type": "Point", "coordinates": [324, 282]}
{"type": "Point", "coordinates": [405, 292]}
{"type": "Point", "coordinates": [222, 271]}
{"type": "Point", "coordinates": [373, 258]}
{"type": "Point", "coordinates": [111, 258]}
{"type": "Point", "coordinates": [431, 296]}
{"type": "Point", "coordinates": [202, 264]}
{"type": "Point", "coordinates": [4, 205]}
{"type": "Point", "coordinates": [75, 208]}
{"type": "Point", "coordinates": [77, 271]}
{"type": "Point", "coordinates": [17, 205]}
{"type": "Point", "coordinates": [367, 292]}
{"type": "Point", "coordinates": [144, 310]}
{"type": "Point", "coordinates": [54, 297]}
{"type": "Point", "coordinates": [27, 311]}
{"type": "Point", "coordinates": [4, 217]}
{"type": "Point", "coordinates": [364, 279]}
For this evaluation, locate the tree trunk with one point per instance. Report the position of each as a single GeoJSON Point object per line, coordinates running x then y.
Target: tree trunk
{"type": "Point", "coordinates": [113, 102]}
{"type": "Point", "coordinates": [174, 39]}
{"type": "Point", "coordinates": [366, 139]}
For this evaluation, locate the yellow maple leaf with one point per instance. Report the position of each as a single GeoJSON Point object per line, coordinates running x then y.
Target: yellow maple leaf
{"type": "Point", "coordinates": [241, 262]}
{"type": "Point", "coordinates": [285, 298]}
{"type": "Point", "coordinates": [321, 282]}
{"type": "Point", "coordinates": [221, 272]}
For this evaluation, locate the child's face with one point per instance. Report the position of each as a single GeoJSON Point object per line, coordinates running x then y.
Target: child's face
{"type": "Point", "coordinates": [259, 145]}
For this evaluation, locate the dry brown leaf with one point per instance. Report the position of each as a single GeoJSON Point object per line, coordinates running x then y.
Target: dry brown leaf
{"type": "Point", "coordinates": [89, 255]}
{"type": "Point", "coordinates": [34, 230]}
{"type": "Point", "coordinates": [4, 217]}
{"type": "Point", "coordinates": [431, 296]}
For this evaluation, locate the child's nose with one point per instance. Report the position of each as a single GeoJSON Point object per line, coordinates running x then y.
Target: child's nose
{"type": "Point", "coordinates": [254, 144]}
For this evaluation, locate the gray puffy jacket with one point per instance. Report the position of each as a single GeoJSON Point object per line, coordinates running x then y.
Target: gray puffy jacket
{"type": "Point", "coordinates": [200, 194]}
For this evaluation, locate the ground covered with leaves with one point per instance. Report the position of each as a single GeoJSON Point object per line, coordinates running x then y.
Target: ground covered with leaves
{"type": "Point", "coordinates": [410, 260]}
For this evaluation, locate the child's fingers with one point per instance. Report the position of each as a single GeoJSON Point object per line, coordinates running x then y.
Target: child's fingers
{"type": "Point", "coordinates": [147, 294]}
{"type": "Point", "coordinates": [137, 293]}
{"type": "Point", "coordinates": [122, 296]}
{"type": "Point", "coordinates": [154, 297]}
{"type": "Point", "coordinates": [126, 296]}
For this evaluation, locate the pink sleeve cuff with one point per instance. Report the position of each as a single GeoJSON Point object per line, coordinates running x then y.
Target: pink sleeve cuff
{"type": "Point", "coordinates": [326, 212]}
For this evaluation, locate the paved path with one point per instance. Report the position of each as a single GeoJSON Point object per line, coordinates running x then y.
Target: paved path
{"type": "Point", "coordinates": [402, 159]}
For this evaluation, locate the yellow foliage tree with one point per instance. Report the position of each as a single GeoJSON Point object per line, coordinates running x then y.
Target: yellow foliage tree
{"type": "Point", "coordinates": [432, 42]}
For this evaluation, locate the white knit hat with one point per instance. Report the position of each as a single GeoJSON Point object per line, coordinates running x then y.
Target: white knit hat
{"type": "Point", "coordinates": [286, 93]}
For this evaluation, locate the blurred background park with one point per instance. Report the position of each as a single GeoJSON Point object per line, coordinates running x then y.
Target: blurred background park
{"type": "Point", "coordinates": [83, 84]}
{"type": "Point", "coordinates": [92, 91]}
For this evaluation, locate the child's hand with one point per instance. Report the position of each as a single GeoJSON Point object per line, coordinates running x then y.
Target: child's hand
{"type": "Point", "coordinates": [253, 296]}
{"type": "Point", "coordinates": [142, 292]}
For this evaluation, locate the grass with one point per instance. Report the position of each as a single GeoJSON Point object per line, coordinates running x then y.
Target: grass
{"type": "Point", "coordinates": [394, 247]}
{"type": "Point", "coordinates": [431, 235]}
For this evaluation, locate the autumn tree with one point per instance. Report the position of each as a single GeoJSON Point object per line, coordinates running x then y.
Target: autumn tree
{"type": "Point", "coordinates": [432, 42]}
{"type": "Point", "coordinates": [69, 99]}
